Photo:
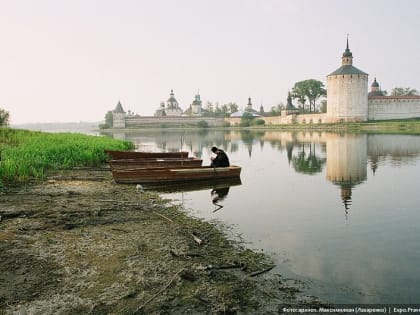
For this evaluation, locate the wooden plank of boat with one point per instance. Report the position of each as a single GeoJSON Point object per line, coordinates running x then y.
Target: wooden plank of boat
{"type": "Point", "coordinates": [161, 174]}
{"type": "Point", "coordinates": [122, 164]}
{"type": "Point", "coordinates": [115, 155]}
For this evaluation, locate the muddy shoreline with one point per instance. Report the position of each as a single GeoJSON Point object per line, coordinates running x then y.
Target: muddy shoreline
{"type": "Point", "coordinates": [78, 243]}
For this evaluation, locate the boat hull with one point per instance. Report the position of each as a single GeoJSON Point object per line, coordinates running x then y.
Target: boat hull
{"type": "Point", "coordinates": [125, 164]}
{"type": "Point", "coordinates": [167, 175]}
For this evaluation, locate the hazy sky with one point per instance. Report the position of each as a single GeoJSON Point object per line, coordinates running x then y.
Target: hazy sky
{"type": "Point", "coordinates": [73, 60]}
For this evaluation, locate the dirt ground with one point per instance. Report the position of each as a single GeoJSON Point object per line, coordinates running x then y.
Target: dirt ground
{"type": "Point", "coordinates": [79, 243]}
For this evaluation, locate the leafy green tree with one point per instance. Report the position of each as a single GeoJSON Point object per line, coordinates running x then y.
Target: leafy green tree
{"type": "Point", "coordinates": [233, 107]}
{"type": "Point", "coordinates": [276, 110]}
{"type": "Point", "coordinates": [225, 110]}
{"type": "Point", "coordinates": [246, 119]}
{"type": "Point", "coordinates": [210, 107]}
{"type": "Point", "coordinates": [217, 110]}
{"type": "Point", "coordinates": [316, 89]}
{"type": "Point", "coordinates": [109, 121]}
{"type": "Point", "coordinates": [202, 124]}
{"type": "Point", "coordinates": [401, 91]}
{"type": "Point", "coordinates": [299, 93]}
{"type": "Point", "coordinates": [258, 122]}
{"type": "Point", "coordinates": [4, 117]}
{"type": "Point", "coordinates": [308, 90]}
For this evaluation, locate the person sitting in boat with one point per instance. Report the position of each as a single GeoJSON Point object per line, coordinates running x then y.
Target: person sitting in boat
{"type": "Point", "coordinates": [221, 159]}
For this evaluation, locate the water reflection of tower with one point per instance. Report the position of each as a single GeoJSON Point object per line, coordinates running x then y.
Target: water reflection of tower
{"type": "Point", "coordinates": [248, 139]}
{"type": "Point", "coordinates": [346, 163]}
{"type": "Point", "coordinates": [374, 159]}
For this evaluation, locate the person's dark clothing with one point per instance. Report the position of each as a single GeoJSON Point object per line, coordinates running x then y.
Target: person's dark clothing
{"type": "Point", "coordinates": [221, 159]}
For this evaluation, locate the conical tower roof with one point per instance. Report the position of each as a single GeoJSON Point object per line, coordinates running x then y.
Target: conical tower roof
{"type": "Point", "coordinates": [119, 108]}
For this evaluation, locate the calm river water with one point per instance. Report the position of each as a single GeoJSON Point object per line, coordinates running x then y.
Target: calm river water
{"type": "Point", "coordinates": [339, 212]}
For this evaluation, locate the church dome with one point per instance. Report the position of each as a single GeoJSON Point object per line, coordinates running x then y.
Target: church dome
{"type": "Point", "coordinates": [197, 100]}
{"type": "Point", "coordinates": [347, 53]}
{"type": "Point", "coordinates": [172, 106]}
{"type": "Point", "coordinates": [375, 89]}
{"type": "Point", "coordinates": [375, 83]}
{"type": "Point", "coordinates": [172, 103]}
{"type": "Point", "coordinates": [172, 98]}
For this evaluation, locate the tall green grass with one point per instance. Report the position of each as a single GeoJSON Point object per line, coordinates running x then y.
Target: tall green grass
{"type": "Point", "coordinates": [27, 155]}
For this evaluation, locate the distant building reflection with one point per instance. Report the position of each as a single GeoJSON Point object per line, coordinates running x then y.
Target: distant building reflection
{"type": "Point", "coordinates": [346, 163]}
{"type": "Point", "coordinates": [399, 149]}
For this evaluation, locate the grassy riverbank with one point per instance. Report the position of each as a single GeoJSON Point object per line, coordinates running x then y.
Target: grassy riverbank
{"type": "Point", "coordinates": [404, 126]}
{"type": "Point", "coordinates": [27, 155]}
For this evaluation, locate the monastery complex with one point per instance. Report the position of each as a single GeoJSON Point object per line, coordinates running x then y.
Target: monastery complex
{"type": "Point", "coordinates": [348, 100]}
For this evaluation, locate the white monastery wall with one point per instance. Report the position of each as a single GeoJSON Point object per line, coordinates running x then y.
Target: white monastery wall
{"type": "Point", "coordinates": [385, 108]}
{"type": "Point", "coordinates": [173, 121]}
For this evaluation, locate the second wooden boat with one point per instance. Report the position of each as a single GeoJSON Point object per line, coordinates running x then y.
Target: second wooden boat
{"type": "Point", "coordinates": [123, 164]}
{"type": "Point", "coordinates": [115, 155]}
{"type": "Point", "coordinates": [162, 174]}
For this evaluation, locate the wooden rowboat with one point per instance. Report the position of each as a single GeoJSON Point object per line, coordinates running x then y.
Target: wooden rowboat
{"type": "Point", "coordinates": [116, 155]}
{"type": "Point", "coordinates": [123, 164]}
{"type": "Point", "coordinates": [162, 174]}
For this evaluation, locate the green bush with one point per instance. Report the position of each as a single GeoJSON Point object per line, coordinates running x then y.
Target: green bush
{"type": "Point", "coordinates": [202, 124]}
{"type": "Point", "coordinates": [245, 123]}
{"type": "Point", "coordinates": [258, 122]}
{"type": "Point", "coordinates": [104, 126]}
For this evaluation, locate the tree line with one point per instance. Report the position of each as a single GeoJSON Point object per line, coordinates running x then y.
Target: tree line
{"type": "Point", "coordinates": [402, 91]}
